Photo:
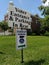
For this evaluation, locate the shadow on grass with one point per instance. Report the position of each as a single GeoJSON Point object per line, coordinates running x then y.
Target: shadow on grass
{"type": "Point", "coordinates": [1, 52]}
{"type": "Point", "coordinates": [38, 62]}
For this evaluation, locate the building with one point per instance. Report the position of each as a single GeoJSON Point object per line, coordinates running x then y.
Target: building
{"type": "Point", "coordinates": [35, 24]}
{"type": "Point", "coordinates": [17, 18]}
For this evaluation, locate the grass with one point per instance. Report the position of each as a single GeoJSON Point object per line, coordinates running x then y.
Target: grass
{"type": "Point", "coordinates": [36, 53]}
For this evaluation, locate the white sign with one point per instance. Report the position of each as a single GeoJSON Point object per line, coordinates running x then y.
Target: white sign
{"type": "Point", "coordinates": [21, 38]}
{"type": "Point", "coordinates": [22, 16]}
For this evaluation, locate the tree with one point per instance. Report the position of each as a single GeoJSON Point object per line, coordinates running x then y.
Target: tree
{"type": "Point", "coordinates": [0, 24]}
{"type": "Point", "coordinates": [44, 1]}
{"type": "Point", "coordinates": [47, 22]}
{"type": "Point", "coordinates": [44, 9]}
{"type": "Point", "coordinates": [4, 26]}
{"type": "Point", "coordinates": [43, 26]}
{"type": "Point", "coordinates": [45, 12]}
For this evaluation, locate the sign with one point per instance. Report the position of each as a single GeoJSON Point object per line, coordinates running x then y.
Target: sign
{"type": "Point", "coordinates": [21, 38]}
{"type": "Point", "coordinates": [18, 16]}
{"type": "Point", "coordinates": [22, 15]}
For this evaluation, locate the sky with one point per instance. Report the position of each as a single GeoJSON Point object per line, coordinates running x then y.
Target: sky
{"type": "Point", "coordinates": [28, 5]}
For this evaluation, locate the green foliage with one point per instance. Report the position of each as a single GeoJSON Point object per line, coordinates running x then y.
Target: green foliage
{"type": "Point", "coordinates": [44, 1]}
{"type": "Point", "coordinates": [47, 33]}
{"type": "Point", "coordinates": [44, 9]}
{"type": "Point", "coordinates": [0, 24]}
{"type": "Point", "coordinates": [47, 10]}
{"type": "Point", "coordinates": [45, 22]}
{"type": "Point", "coordinates": [43, 26]}
{"type": "Point", "coordinates": [4, 25]}
{"type": "Point", "coordinates": [41, 7]}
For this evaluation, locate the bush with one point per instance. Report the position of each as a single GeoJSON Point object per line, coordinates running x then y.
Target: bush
{"type": "Point", "coordinates": [42, 31]}
{"type": "Point", "coordinates": [29, 32]}
{"type": "Point", "coordinates": [47, 33]}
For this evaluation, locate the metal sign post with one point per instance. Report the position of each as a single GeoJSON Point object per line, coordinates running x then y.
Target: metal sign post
{"type": "Point", "coordinates": [22, 55]}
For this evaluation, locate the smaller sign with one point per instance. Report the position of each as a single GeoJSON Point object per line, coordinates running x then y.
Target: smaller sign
{"type": "Point", "coordinates": [21, 38]}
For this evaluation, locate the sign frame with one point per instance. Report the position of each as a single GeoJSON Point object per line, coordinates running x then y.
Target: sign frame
{"type": "Point", "coordinates": [21, 38]}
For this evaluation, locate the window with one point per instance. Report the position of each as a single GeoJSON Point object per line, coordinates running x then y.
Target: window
{"type": "Point", "coordinates": [25, 12]}
{"type": "Point", "coordinates": [26, 26]}
{"type": "Point", "coordinates": [11, 19]}
{"type": "Point", "coordinates": [11, 12]}
{"type": "Point", "coordinates": [16, 9]}
{"type": "Point", "coordinates": [20, 25]}
{"type": "Point", "coordinates": [15, 14]}
{"type": "Point", "coordinates": [28, 17]}
{"type": "Point", "coordinates": [16, 25]}
{"type": "Point", "coordinates": [16, 18]}
{"type": "Point", "coordinates": [13, 24]}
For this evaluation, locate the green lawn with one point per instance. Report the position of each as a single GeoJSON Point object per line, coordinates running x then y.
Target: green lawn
{"type": "Point", "coordinates": [36, 53]}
